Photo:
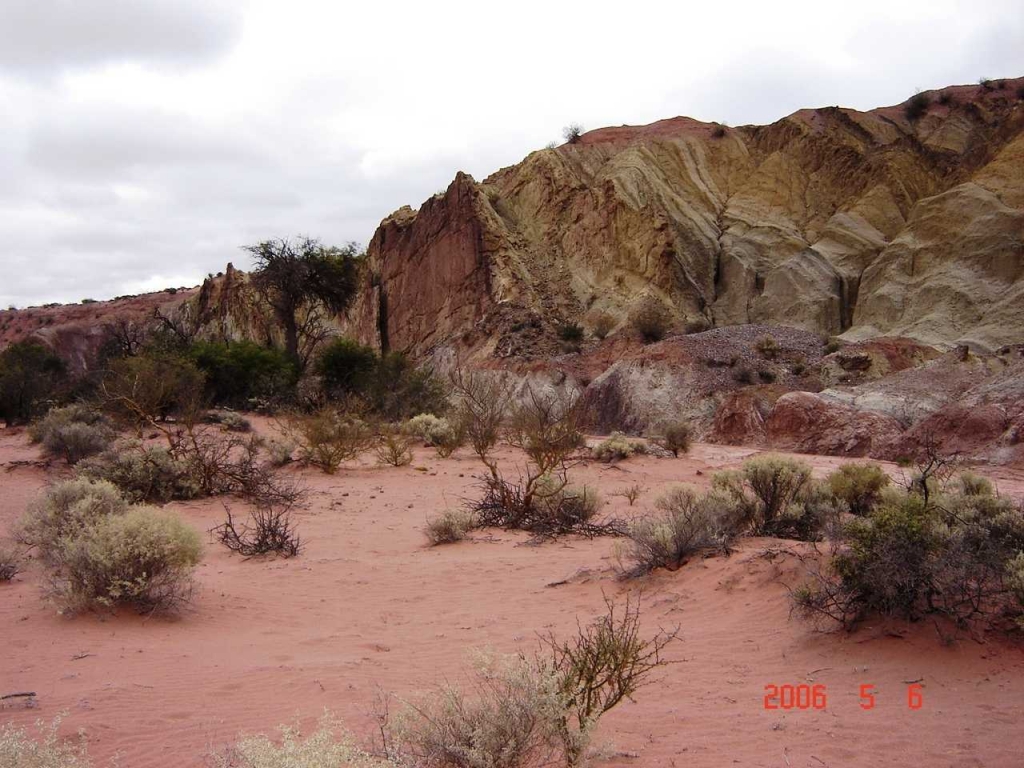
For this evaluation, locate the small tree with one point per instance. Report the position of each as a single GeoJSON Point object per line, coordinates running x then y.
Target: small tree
{"type": "Point", "coordinates": [572, 133]}
{"type": "Point", "coordinates": [302, 281]}
{"type": "Point", "coordinates": [30, 374]}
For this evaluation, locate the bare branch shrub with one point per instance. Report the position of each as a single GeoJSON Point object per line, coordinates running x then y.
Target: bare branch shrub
{"type": "Point", "coordinates": [268, 531]}
{"type": "Point", "coordinates": [393, 449]}
{"type": "Point", "coordinates": [630, 493]}
{"type": "Point", "coordinates": [10, 562]}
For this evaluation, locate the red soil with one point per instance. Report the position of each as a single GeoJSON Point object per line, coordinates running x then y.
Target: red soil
{"type": "Point", "coordinates": [367, 605]}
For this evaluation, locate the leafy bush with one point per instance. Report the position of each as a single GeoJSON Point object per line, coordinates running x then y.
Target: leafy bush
{"type": "Point", "coordinates": [675, 437]}
{"type": "Point", "coordinates": [64, 511]}
{"type": "Point", "coordinates": [30, 376]}
{"type": "Point", "coordinates": [142, 473]}
{"type": "Point", "coordinates": [19, 750]}
{"type": "Point", "coordinates": [767, 347]}
{"type": "Point", "coordinates": [763, 490]}
{"type": "Point", "coordinates": [347, 367]}
{"type": "Point", "coordinates": [446, 435]}
{"type": "Point", "coordinates": [241, 371]}
{"type": "Point", "coordinates": [687, 525]}
{"type": "Point", "coordinates": [328, 438]}
{"type": "Point", "coordinates": [401, 389]}
{"type": "Point", "coordinates": [148, 389]}
{"type": "Point", "coordinates": [617, 447]}
{"type": "Point", "coordinates": [450, 526]}
{"type": "Point", "coordinates": [859, 485]}
{"type": "Point", "coordinates": [143, 558]}
{"type": "Point", "coordinates": [651, 322]}
{"type": "Point", "coordinates": [393, 448]}
{"type": "Point", "coordinates": [73, 433]}
{"type": "Point", "coordinates": [425, 426]}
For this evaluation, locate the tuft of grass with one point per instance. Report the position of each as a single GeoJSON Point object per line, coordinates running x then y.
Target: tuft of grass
{"type": "Point", "coordinates": [450, 526]}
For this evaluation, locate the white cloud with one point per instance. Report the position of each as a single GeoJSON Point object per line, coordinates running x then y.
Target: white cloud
{"type": "Point", "coordinates": [148, 139]}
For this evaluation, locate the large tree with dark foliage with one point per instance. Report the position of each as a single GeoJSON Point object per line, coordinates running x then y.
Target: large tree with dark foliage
{"type": "Point", "coordinates": [303, 281]}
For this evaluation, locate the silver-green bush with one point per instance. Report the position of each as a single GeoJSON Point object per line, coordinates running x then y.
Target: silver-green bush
{"type": "Point", "coordinates": [19, 750]}
{"type": "Point", "coordinates": [450, 526]}
{"type": "Point", "coordinates": [73, 432]}
{"type": "Point", "coordinates": [142, 473]}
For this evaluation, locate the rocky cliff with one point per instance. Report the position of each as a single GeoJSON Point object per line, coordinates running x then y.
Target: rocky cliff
{"type": "Point", "coordinates": [831, 220]}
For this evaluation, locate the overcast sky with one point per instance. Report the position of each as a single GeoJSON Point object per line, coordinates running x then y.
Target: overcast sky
{"type": "Point", "coordinates": [144, 141]}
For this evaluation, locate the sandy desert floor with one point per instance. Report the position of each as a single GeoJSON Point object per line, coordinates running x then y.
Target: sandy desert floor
{"type": "Point", "coordinates": [369, 607]}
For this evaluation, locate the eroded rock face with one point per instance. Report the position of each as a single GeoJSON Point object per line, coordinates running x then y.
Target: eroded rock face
{"type": "Point", "coordinates": [810, 423]}
{"type": "Point", "coordinates": [831, 220]}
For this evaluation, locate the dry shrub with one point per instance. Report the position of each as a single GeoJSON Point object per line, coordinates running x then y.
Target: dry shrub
{"type": "Point", "coordinates": [651, 322]}
{"type": "Point", "coordinates": [425, 426]}
{"type": "Point", "coordinates": [859, 485]}
{"type": "Point", "coordinates": [393, 449]}
{"type": "Point", "coordinates": [230, 420]}
{"type": "Point", "coordinates": [328, 438]}
{"type": "Point", "coordinates": [676, 437]}
{"type": "Point", "coordinates": [743, 375]}
{"type": "Point", "coordinates": [10, 562]}
{"type": "Point", "coordinates": [548, 507]}
{"type": "Point", "coordinates": [19, 750]}
{"type": "Point", "coordinates": [617, 447]}
{"type": "Point", "coordinates": [327, 747]}
{"type": "Point", "coordinates": [767, 347]}
{"type": "Point", "coordinates": [143, 558]}
{"type": "Point", "coordinates": [450, 526]}
{"type": "Point", "coordinates": [484, 405]}
{"type": "Point", "coordinates": [64, 511]}
{"type": "Point", "coordinates": [280, 452]}
{"type": "Point", "coordinates": [630, 493]}
{"type": "Point", "coordinates": [142, 473]}
{"type": "Point", "coordinates": [268, 531]}
{"type": "Point", "coordinates": [602, 323]}
{"type": "Point", "coordinates": [73, 433]}
{"type": "Point", "coordinates": [975, 485]}
{"type": "Point", "coordinates": [688, 524]}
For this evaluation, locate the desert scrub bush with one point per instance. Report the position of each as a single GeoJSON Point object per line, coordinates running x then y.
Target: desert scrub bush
{"type": "Point", "coordinates": [763, 489]}
{"type": "Point", "coordinates": [143, 558]}
{"type": "Point", "coordinates": [630, 493]}
{"type": "Point", "coordinates": [571, 332]}
{"type": "Point", "coordinates": [450, 526]}
{"type": "Point", "coordinates": [602, 323]}
{"type": "Point", "coordinates": [327, 747]}
{"type": "Point", "coordinates": [675, 437]}
{"type": "Point", "coordinates": [347, 367]}
{"type": "Point", "coordinates": [917, 106]}
{"type": "Point", "coordinates": [651, 322]}
{"type": "Point", "coordinates": [831, 344]}
{"type": "Point", "coordinates": [328, 438]}
{"type": "Point", "coordinates": [424, 426]}
{"type": "Point", "coordinates": [146, 390]}
{"type": "Point", "coordinates": [859, 485]}
{"type": "Point", "coordinates": [446, 435]}
{"type": "Point", "coordinates": [240, 372]}
{"type": "Point", "coordinates": [142, 473]}
{"type": "Point", "coordinates": [510, 716]}
{"type": "Point", "coordinates": [547, 507]}
{"type": "Point", "coordinates": [687, 524]}
{"type": "Point", "coordinates": [617, 447]}
{"type": "Point", "coordinates": [268, 531]}
{"type": "Point", "coordinates": [572, 133]}
{"type": "Point", "coordinates": [18, 749]}
{"type": "Point", "coordinates": [393, 449]}
{"type": "Point", "coordinates": [31, 375]}
{"type": "Point", "coordinates": [73, 432]}
{"type": "Point", "coordinates": [743, 375]}
{"type": "Point", "coordinates": [279, 452]}
{"type": "Point", "coordinates": [10, 562]}
{"type": "Point", "coordinates": [974, 485]}
{"type": "Point", "coordinates": [767, 347]}
{"type": "Point", "coordinates": [230, 420]}
{"type": "Point", "coordinates": [64, 511]}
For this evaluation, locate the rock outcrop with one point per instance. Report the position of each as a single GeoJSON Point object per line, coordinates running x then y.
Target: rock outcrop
{"type": "Point", "coordinates": [830, 220]}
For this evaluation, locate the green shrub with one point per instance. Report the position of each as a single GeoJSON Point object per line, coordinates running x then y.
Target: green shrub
{"type": "Point", "coordinates": [19, 750]}
{"type": "Point", "coordinates": [30, 376]}
{"type": "Point", "coordinates": [241, 371]}
{"type": "Point", "coordinates": [859, 485]}
{"type": "Point", "coordinates": [687, 525]}
{"type": "Point", "coordinates": [64, 511]}
{"type": "Point", "coordinates": [143, 558]}
{"type": "Point", "coordinates": [676, 437]}
{"type": "Point", "coordinates": [450, 526]}
{"type": "Point", "coordinates": [401, 389]}
{"type": "Point", "coordinates": [147, 389]}
{"type": "Point", "coordinates": [617, 447]}
{"type": "Point", "coordinates": [231, 421]}
{"type": "Point", "coordinates": [347, 367]}
{"type": "Point", "coordinates": [142, 473]}
{"type": "Point", "coordinates": [763, 490]}
{"type": "Point", "coordinates": [73, 433]}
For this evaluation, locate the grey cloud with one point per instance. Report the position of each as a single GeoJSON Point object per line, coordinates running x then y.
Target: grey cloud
{"type": "Point", "coordinates": [42, 37]}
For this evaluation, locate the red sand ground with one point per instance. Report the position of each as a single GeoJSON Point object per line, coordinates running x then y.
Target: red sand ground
{"type": "Point", "coordinates": [368, 606]}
